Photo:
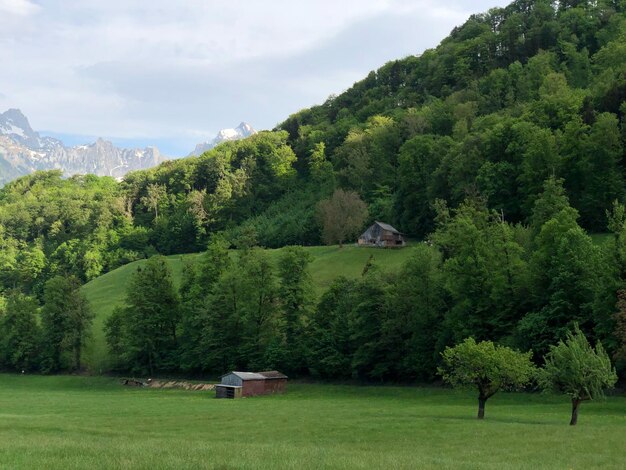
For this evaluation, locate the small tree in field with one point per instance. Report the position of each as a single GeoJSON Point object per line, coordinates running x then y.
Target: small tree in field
{"type": "Point", "coordinates": [342, 216]}
{"type": "Point", "coordinates": [574, 368]}
{"type": "Point", "coordinates": [487, 367]}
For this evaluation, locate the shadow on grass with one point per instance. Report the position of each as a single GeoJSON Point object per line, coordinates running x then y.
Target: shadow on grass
{"type": "Point", "coordinates": [489, 419]}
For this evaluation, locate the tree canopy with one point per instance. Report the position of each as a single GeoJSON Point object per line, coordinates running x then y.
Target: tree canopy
{"type": "Point", "coordinates": [486, 366]}
{"type": "Point", "coordinates": [573, 367]}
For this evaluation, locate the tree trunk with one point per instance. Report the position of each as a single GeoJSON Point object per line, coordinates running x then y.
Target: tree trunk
{"type": "Point", "coordinates": [481, 406]}
{"type": "Point", "coordinates": [575, 405]}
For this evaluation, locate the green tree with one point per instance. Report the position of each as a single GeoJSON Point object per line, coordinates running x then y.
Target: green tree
{"type": "Point", "coordinates": [418, 303]}
{"type": "Point", "coordinates": [320, 169]}
{"type": "Point", "coordinates": [373, 357]}
{"type": "Point", "coordinates": [222, 335]}
{"type": "Point", "coordinates": [295, 294]}
{"type": "Point", "coordinates": [155, 193]}
{"type": "Point", "coordinates": [79, 320]}
{"type": "Point", "coordinates": [573, 367]}
{"type": "Point", "coordinates": [485, 273]}
{"type": "Point", "coordinates": [486, 366]}
{"type": "Point", "coordinates": [551, 201]}
{"type": "Point", "coordinates": [66, 320]}
{"type": "Point", "coordinates": [257, 306]}
{"type": "Point", "coordinates": [564, 271]}
{"type": "Point", "coordinates": [199, 279]}
{"type": "Point", "coordinates": [19, 333]}
{"type": "Point", "coordinates": [604, 179]}
{"type": "Point", "coordinates": [419, 158]}
{"type": "Point", "coordinates": [330, 347]}
{"type": "Point", "coordinates": [145, 329]}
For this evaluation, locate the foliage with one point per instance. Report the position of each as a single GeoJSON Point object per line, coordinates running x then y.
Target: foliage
{"type": "Point", "coordinates": [573, 367]}
{"type": "Point", "coordinates": [620, 327]}
{"type": "Point", "coordinates": [20, 334]}
{"type": "Point", "coordinates": [66, 320]}
{"type": "Point", "coordinates": [143, 333]}
{"type": "Point", "coordinates": [487, 367]}
{"type": "Point", "coordinates": [295, 295]}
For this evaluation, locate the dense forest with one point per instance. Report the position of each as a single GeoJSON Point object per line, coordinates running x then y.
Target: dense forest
{"type": "Point", "coordinates": [500, 150]}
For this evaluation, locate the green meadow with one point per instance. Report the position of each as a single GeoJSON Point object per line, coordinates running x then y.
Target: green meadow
{"type": "Point", "coordinates": [328, 262]}
{"type": "Point", "coordinates": [68, 422]}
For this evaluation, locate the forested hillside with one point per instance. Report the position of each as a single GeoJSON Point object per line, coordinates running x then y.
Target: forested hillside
{"type": "Point", "coordinates": [503, 148]}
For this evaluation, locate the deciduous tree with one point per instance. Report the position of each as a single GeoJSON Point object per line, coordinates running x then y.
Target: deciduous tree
{"type": "Point", "coordinates": [573, 367]}
{"type": "Point", "coordinates": [342, 216]}
{"type": "Point", "coordinates": [486, 366]}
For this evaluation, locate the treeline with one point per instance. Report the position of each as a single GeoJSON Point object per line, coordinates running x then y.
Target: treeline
{"type": "Point", "coordinates": [479, 276]}
{"type": "Point", "coordinates": [45, 338]}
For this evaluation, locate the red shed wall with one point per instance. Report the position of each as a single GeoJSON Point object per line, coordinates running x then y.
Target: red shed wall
{"type": "Point", "coordinates": [275, 385]}
{"type": "Point", "coordinates": [253, 387]}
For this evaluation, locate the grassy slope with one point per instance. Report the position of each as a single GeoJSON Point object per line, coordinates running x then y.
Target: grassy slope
{"type": "Point", "coordinates": [107, 291]}
{"type": "Point", "coordinates": [92, 422]}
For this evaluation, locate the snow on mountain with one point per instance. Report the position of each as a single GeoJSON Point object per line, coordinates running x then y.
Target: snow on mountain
{"type": "Point", "coordinates": [23, 151]}
{"type": "Point", "coordinates": [242, 131]}
{"type": "Point", "coordinates": [14, 124]}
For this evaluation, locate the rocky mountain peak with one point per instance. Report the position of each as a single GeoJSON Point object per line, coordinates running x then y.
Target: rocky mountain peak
{"type": "Point", "coordinates": [23, 151]}
{"type": "Point", "coordinates": [242, 131]}
{"type": "Point", "coordinates": [15, 125]}
{"type": "Point", "coordinates": [245, 129]}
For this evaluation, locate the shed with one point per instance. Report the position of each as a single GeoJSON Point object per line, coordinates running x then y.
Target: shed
{"type": "Point", "coordinates": [251, 384]}
{"type": "Point", "coordinates": [382, 235]}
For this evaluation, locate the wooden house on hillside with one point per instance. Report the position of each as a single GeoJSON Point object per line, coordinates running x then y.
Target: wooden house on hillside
{"type": "Point", "coordinates": [383, 236]}
{"type": "Point", "coordinates": [248, 384]}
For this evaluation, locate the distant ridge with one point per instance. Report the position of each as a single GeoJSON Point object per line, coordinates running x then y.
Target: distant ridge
{"type": "Point", "coordinates": [24, 151]}
{"type": "Point", "coordinates": [242, 131]}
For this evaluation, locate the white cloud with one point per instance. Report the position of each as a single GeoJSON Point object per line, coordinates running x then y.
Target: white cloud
{"type": "Point", "coordinates": [18, 7]}
{"type": "Point", "coordinates": [166, 69]}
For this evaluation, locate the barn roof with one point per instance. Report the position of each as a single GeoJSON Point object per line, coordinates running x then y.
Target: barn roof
{"type": "Point", "coordinates": [273, 374]}
{"type": "Point", "coordinates": [246, 375]}
{"type": "Point", "coordinates": [385, 226]}
{"type": "Point", "coordinates": [268, 374]}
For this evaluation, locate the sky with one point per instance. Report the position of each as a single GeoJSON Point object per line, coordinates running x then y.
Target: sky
{"type": "Point", "coordinates": [172, 73]}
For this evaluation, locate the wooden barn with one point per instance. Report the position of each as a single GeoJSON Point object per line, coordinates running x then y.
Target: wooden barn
{"type": "Point", "coordinates": [248, 384]}
{"type": "Point", "coordinates": [382, 235]}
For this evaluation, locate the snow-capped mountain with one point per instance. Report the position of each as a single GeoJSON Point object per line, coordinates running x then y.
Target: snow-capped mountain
{"type": "Point", "coordinates": [23, 151]}
{"type": "Point", "coordinates": [242, 131]}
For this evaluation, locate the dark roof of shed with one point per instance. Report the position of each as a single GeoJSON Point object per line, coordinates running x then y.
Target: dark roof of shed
{"type": "Point", "coordinates": [385, 226]}
{"type": "Point", "coordinates": [273, 374]}
{"type": "Point", "coordinates": [269, 374]}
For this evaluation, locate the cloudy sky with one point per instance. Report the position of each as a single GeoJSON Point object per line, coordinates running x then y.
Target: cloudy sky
{"type": "Point", "coordinates": [172, 73]}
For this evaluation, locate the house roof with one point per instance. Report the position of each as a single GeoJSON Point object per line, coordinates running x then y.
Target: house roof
{"type": "Point", "coordinates": [388, 227]}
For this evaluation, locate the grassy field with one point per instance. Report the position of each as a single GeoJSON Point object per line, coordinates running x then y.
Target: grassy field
{"type": "Point", "coordinates": [92, 422]}
{"type": "Point", "coordinates": [107, 291]}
